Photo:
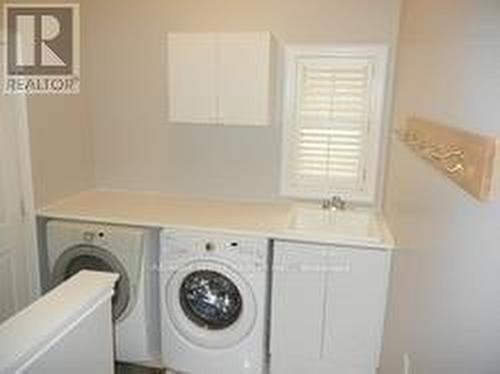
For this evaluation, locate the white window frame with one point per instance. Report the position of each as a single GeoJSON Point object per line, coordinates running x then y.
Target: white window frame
{"type": "Point", "coordinates": [380, 54]}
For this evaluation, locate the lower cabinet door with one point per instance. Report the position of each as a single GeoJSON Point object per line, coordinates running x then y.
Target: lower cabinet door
{"type": "Point", "coordinates": [355, 307]}
{"type": "Point", "coordinates": [328, 307]}
{"type": "Point", "coordinates": [298, 297]}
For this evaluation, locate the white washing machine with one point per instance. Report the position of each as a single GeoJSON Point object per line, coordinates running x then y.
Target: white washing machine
{"type": "Point", "coordinates": [130, 252]}
{"type": "Point", "coordinates": [213, 296]}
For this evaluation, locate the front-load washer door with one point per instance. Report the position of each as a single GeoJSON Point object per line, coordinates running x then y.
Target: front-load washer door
{"type": "Point", "coordinates": [210, 299]}
{"type": "Point", "coordinates": [88, 257]}
{"type": "Point", "coordinates": [210, 304]}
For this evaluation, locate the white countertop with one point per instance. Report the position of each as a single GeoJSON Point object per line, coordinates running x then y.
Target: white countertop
{"type": "Point", "coordinates": [284, 221]}
{"type": "Point", "coordinates": [35, 327]}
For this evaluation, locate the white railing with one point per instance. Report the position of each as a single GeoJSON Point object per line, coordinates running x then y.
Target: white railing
{"type": "Point", "coordinates": [69, 330]}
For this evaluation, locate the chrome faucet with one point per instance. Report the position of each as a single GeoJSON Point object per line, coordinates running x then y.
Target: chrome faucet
{"type": "Point", "coordinates": [334, 203]}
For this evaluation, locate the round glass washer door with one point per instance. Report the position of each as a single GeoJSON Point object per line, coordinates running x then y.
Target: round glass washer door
{"type": "Point", "coordinates": [88, 257]}
{"type": "Point", "coordinates": [210, 300]}
{"type": "Point", "coordinates": [210, 304]}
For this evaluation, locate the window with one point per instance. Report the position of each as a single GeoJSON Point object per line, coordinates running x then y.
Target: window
{"type": "Point", "coordinates": [332, 121]}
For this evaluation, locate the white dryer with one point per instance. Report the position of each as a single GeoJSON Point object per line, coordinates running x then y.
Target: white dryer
{"type": "Point", "coordinates": [213, 296]}
{"type": "Point", "coordinates": [130, 252]}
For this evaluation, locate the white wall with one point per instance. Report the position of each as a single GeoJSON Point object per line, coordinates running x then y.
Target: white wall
{"type": "Point", "coordinates": [445, 296]}
{"type": "Point", "coordinates": [62, 147]}
{"type": "Point", "coordinates": [136, 149]}
{"type": "Point", "coordinates": [94, 333]}
{"type": "Point", "coordinates": [48, 336]}
{"type": "Point", "coordinates": [114, 134]}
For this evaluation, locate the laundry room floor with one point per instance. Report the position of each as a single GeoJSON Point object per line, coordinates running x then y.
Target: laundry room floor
{"type": "Point", "coordinates": [121, 368]}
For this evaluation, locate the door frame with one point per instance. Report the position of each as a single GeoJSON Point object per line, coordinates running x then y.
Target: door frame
{"type": "Point", "coordinates": [27, 203]}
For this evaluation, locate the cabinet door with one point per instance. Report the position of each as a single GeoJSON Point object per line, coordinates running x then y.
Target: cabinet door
{"type": "Point", "coordinates": [244, 78]}
{"type": "Point", "coordinates": [355, 307]}
{"type": "Point", "coordinates": [298, 302]}
{"type": "Point", "coordinates": [192, 61]}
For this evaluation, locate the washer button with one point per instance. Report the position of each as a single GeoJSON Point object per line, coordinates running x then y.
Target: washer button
{"type": "Point", "coordinates": [209, 247]}
{"type": "Point", "coordinates": [88, 236]}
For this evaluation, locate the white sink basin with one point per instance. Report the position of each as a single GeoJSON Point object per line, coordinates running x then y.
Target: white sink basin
{"type": "Point", "coordinates": [355, 224]}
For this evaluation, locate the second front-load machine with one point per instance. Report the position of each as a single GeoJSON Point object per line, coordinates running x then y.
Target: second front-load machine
{"type": "Point", "coordinates": [213, 295]}
{"type": "Point", "coordinates": [128, 251]}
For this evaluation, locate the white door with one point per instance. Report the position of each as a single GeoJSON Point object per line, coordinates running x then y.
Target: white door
{"type": "Point", "coordinates": [355, 307]}
{"type": "Point", "coordinates": [18, 270]}
{"type": "Point", "coordinates": [244, 64]}
{"type": "Point", "coordinates": [192, 59]}
{"type": "Point", "coordinates": [298, 303]}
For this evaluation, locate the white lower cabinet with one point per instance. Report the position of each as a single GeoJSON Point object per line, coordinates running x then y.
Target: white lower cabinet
{"type": "Point", "coordinates": [298, 303]}
{"type": "Point", "coordinates": [328, 307]}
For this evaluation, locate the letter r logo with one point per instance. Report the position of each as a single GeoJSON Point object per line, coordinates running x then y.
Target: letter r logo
{"type": "Point", "coordinates": [40, 40]}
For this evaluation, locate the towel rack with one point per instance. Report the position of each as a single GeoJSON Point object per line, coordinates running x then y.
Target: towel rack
{"type": "Point", "coordinates": [470, 160]}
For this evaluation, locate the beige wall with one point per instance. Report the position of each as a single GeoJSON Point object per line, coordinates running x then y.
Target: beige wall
{"type": "Point", "coordinates": [134, 146]}
{"type": "Point", "coordinates": [62, 147]}
{"type": "Point", "coordinates": [445, 296]}
{"type": "Point", "coordinates": [115, 135]}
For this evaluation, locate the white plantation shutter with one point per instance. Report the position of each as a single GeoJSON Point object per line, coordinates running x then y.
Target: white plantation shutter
{"type": "Point", "coordinates": [332, 111]}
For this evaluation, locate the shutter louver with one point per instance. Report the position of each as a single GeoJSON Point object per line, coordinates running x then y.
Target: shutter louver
{"type": "Point", "coordinates": [333, 100]}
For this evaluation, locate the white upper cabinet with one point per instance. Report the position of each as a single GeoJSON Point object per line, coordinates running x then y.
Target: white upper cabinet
{"type": "Point", "coordinates": [219, 78]}
{"type": "Point", "coordinates": [192, 61]}
{"type": "Point", "coordinates": [244, 69]}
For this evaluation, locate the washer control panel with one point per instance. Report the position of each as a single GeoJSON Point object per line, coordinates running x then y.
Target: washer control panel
{"type": "Point", "coordinates": [96, 236]}
{"type": "Point", "coordinates": [183, 244]}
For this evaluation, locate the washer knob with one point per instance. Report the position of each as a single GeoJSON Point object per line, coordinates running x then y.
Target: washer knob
{"type": "Point", "coordinates": [210, 247]}
{"type": "Point", "coordinates": [88, 236]}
